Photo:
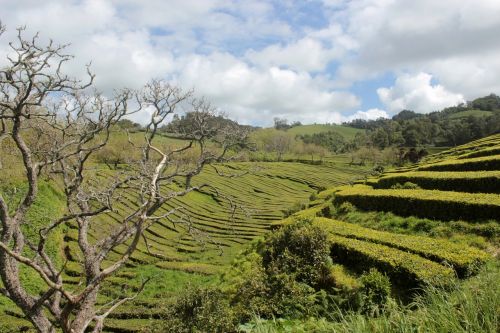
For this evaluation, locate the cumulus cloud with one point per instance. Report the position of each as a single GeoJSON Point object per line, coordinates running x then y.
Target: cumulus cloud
{"type": "Point", "coordinates": [416, 92]}
{"type": "Point", "coordinates": [306, 54]}
{"type": "Point", "coordinates": [238, 87]}
{"type": "Point", "coordinates": [453, 39]}
{"type": "Point", "coordinates": [370, 114]}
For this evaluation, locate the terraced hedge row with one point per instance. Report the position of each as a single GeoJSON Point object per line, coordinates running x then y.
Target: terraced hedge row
{"type": "Point", "coordinates": [442, 205]}
{"type": "Point", "coordinates": [471, 164]}
{"type": "Point", "coordinates": [465, 260]}
{"type": "Point", "coordinates": [467, 181]}
{"type": "Point", "coordinates": [495, 150]}
{"type": "Point", "coordinates": [405, 269]}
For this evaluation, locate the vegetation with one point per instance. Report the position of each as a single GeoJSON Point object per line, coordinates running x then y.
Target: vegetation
{"type": "Point", "coordinates": [450, 127]}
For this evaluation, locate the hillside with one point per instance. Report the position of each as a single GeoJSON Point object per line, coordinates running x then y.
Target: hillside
{"type": "Point", "coordinates": [347, 132]}
{"type": "Point", "coordinates": [198, 242]}
{"type": "Point", "coordinates": [424, 224]}
{"type": "Point", "coordinates": [449, 127]}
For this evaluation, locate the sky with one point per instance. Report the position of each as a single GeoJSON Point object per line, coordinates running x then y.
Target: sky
{"type": "Point", "coordinates": [313, 61]}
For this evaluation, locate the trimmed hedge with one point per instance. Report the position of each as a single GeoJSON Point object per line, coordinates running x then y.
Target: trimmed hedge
{"type": "Point", "coordinates": [467, 181]}
{"type": "Point", "coordinates": [441, 205]}
{"type": "Point", "coordinates": [471, 164]}
{"type": "Point", "coordinates": [495, 150]}
{"type": "Point", "coordinates": [405, 269]}
{"type": "Point", "coordinates": [465, 260]}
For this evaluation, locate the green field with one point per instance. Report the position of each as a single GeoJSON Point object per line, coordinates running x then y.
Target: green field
{"type": "Point", "coordinates": [475, 113]}
{"type": "Point", "coordinates": [345, 131]}
{"type": "Point", "coordinates": [205, 239]}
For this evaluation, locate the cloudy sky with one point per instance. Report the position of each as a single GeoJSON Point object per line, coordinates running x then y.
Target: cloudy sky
{"type": "Point", "coordinates": [306, 60]}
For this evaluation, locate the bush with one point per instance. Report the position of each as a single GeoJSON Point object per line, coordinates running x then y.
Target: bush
{"type": "Point", "coordinates": [199, 310]}
{"type": "Point", "coordinates": [442, 205]}
{"type": "Point", "coordinates": [405, 186]}
{"type": "Point", "coordinates": [298, 206]}
{"type": "Point", "coordinates": [375, 292]}
{"type": "Point", "coordinates": [345, 208]}
{"type": "Point", "coordinates": [300, 250]}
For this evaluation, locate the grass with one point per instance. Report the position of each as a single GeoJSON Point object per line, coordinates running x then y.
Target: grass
{"type": "Point", "coordinates": [347, 132]}
{"type": "Point", "coordinates": [470, 306]}
{"type": "Point", "coordinates": [475, 113]}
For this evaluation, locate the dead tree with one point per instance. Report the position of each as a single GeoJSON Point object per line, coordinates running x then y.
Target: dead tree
{"type": "Point", "coordinates": [57, 126]}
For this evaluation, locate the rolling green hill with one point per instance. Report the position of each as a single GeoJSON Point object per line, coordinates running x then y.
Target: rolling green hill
{"type": "Point", "coordinates": [345, 131]}
{"type": "Point", "coordinates": [450, 201]}
{"type": "Point", "coordinates": [204, 240]}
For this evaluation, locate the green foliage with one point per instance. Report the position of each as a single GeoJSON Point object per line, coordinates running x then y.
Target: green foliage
{"type": "Point", "coordinates": [408, 269]}
{"type": "Point", "coordinates": [472, 164]}
{"type": "Point", "coordinates": [331, 140]}
{"type": "Point", "coordinates": [375, 292]}
{"type": "Point", "coordinates": [469, 306]}
{"type": "Point", "coordinates": [423, 203]}
{"type": "Point", "coordinates": [468, 181]}
{"type": "Point", "coordinates": [300, 250]}
{"type": "Point", "coordinates": [285, 275]}
{"type": "Point", "coordinates": [462, 258]}
{"type": "Point", "coordinates": [405, 186]}
{"type": "Point", "coordinates": [198, 310]}
{"type": "Point", "coordinates": [297, 206]}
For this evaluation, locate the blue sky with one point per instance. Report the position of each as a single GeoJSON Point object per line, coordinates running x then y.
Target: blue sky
{"type": "Point", "coordinates": [310, 60]}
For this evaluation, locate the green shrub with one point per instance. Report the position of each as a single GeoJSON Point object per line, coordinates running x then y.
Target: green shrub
{"type": "Point", "coordinates": [345, 208]}
{"type": "Point", "coordinates": [405, 186]}
{"type": "Point", "coordinates": [297, 206]}
{"type": "Point", "coordinates": [442, 205]}
{"type": "Point", "coordinates": [466, 181]}
{"type": "Point", "coordinates": [472, 164]}
{"type": "Point", "coordinates": [300, 250]}
{"type": "Point", "coordinates": [375, 292]}
{"type": "Point", "coordinates": [465, 260]}
{"type": "Point", "coordinates": [408, 269]}
{"type": "Point", "coordinates": [199, 310]}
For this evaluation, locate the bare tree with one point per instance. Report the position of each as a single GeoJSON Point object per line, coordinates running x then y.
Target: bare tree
{"type": "Point", "coordinates": [57, 127]}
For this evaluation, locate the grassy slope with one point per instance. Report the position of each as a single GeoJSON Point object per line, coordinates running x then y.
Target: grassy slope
{"type": "Point", "coordinates": [263, 193]}
{"type": "Point", "coordinates": [476, 113]}
{"type": "Point", "coordinates": [464, 308]}
{"type": "Point", "coordinates": [346, 132]}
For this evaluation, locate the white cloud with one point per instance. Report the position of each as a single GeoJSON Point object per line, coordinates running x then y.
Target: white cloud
{"type": "Point", "coordinates": [454, 39]}
{"type": "Point", "coordinates": [257, 95]}
{"type": "Point", "coordinates": [306, 54]}
{"type": "Point", "coordinates": [370, 114]}
{"type": "Point", "coordinates": [416, 92]}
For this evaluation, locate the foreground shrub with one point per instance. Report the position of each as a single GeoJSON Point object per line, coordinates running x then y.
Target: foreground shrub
{"type": "Point", "coordinates": [374, 293]}
{"type": "Point", "coordinates": [300, 250]}
{"type": "Point", "coordinates": [199, 310]}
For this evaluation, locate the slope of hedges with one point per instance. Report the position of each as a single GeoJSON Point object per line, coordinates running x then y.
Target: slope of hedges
{"type": "Point", "coordinates": [472, 164]}
{"type": "Point", "coordinates": [442, 205]}
{"type": "Point", "coordinates": [467, 181]}
{"type": "Point", "coordinates": [405, 269]}
{"type": "Point", "coordinates": [465, 260]}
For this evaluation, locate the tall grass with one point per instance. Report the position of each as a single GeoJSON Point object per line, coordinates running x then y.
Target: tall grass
{"type": "Point", "coordinates": [468, 307]}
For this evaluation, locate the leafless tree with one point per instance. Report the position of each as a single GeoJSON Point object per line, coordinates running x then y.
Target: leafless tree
{"type": "Point", "coordinates": [57, 126]}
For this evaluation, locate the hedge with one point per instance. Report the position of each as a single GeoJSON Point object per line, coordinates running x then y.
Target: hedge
{"type": "Point", "coordinates": [495, 150]}
{"type": "Point", "coordinates": [471, 164]}
{"type": "Point", "coordinates": [405, 269]}
{"type": "Point", "coordinates": [464, 259]}
{"type": "Point", "coordinates": [442, 205]}
{"type": "Point", "coordinates": [467, 181]}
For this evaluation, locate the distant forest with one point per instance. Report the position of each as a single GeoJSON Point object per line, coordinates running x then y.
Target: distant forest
{"type": "Point", "coordinates": [449, 127]}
